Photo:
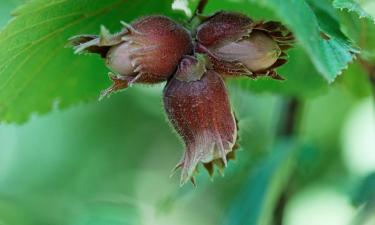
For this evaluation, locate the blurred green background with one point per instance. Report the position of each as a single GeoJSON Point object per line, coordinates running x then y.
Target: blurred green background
{"type": "Point", "coordinates": [108, 162]}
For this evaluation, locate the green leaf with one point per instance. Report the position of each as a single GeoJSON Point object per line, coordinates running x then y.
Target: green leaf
{"type": "Point", "coordinates": [36, 71]}
{"type": "Point", "coordinates": [6, 6]}
{"type": "Point", "coordinates": [352, 6]}
{"type": "Point", "coordinates": [361, 31]}
{"type": "Point", "coordinates": [255, 204]}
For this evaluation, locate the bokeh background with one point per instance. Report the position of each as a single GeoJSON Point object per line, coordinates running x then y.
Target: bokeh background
{"type": "Point", "coordinates": [108, 162]}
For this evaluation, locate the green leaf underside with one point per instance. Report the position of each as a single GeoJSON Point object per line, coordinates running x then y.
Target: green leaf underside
{"type": "Point", "coordinates": [361, 30]}
{"type": "Point", "coordinates": [352, 6]}
{"type": "Point", "coordinates": [37, 70]}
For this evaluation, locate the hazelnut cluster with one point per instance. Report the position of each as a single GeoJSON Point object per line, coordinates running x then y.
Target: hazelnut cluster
{"type": "Point", "coordinates": [155, 49]}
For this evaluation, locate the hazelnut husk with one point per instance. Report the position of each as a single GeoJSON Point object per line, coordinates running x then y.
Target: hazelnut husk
{"type": "Point", "coordinates": [197, 104]}
{"type": "Point", "coordinates": [239, 46]}
{"type": "Point", "coordinates": [146, 51]}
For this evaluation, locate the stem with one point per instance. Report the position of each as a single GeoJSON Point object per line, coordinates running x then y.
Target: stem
{"type": "Point", "coordinates": [199, 10]}
{"type": "Point", "coordinates": [289, 118]}
{"type": "Point", "coordinates": [280, 208]}
{"type": "Point", "coordinates": [200, 7]}
{"type": "Point", "coordinates": [287, 129]}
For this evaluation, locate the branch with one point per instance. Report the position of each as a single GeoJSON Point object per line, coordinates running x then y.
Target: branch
{"type": "Point", "coordinates": [200, 7]}
{"type": "Point", "coordinates": [280, 208]}
{"type": "Point", "coordinates": [199, 10]}
{"type": "Point", "coordinates": [289, 118]}
{"type": "Point", "coordinates": [287, 128]}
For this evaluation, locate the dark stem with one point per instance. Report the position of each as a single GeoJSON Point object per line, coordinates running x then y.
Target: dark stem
{"type": "Point", "coordinates": [199, 10]}
{"type": "Point", "coordinates": [280, 208]}
{"type": "Point", "coordinates": [289, 118]}
{"type": "Point", "coordinates": [287, 129]}
{"type": "Point", "coordinates": [200, 7]}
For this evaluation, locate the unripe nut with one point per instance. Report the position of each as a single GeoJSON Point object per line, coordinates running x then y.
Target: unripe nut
{"type": "Point", "coordinates": [146, 51]}
{"type": "Point", "coordinates": [239, 46]}
{"type": "Point", "coordinates": [197, 104]}
{"type": "Point", "coordinates": [257, 52]}
{"type": "Point", "coordinates": [153, 49]}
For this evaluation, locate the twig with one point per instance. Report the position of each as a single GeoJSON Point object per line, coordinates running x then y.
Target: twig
{"type": "Point", "coordinates": [200, 7]}
{"type": "Point", "coordinates": [287, 129]}
{"type": "Point", "coordinates": [289, 118]}
{"type": "Point", "coordinates": [199, 10]}
{"type": "Point", "coordinates": [280, 208]}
